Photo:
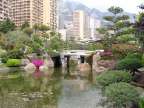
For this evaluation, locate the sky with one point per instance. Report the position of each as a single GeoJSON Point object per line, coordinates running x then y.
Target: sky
{"type": "Point", "coordinates": [128, 5]}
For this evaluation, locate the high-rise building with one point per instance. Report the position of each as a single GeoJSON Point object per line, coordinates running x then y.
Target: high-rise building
{"type": "Point", "coordinates": [4, 9]}
{"type": "Point", "coordinates": [80, 25]}
{"type": "Point", "coordinates": [30, 11]}
{"type": "Point", "coordinates": [60, 14]}
{"type": "Point", "coordinates": [94, 24]}
{"type": "Point", "coordinates": [34, 12]}
{"type": "Point", "coordinates": [50, 13]}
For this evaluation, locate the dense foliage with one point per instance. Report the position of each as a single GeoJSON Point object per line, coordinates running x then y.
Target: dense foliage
{"type": "Point", "coordinates": [93, 46]}
{"type": "Point", "coordinates": [139, 30]}
{"type": "Point", "coordinates": [141, 102]}
{"type": "Point", "coordinates": [131, 62]}
{"type": "Point", "coordinates": [134, 55]}
{"type": "Point", "coordinates": [6, 26]}
{"type": "Point", "coordinates": [17, 43]}
{"type": "Point", "coordinates": [121, 95]}
{"type": "Point", "coordinates": [12, 54]}
{"type": "Point", "coordinates": [115, 76]}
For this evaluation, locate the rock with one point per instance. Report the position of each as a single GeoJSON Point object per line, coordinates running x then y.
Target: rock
{"type": "Point", "coordinates": [30, 68]}
{"type": "Point", "coordinates": [110, 64]}
{"type": "Point", "coordinates": [141, 69]}
{"type": "Point", "coordinates": [95, 66]}
{"type": "Point", "coordinates": [49, 63]}
{"type": "Point", "coordinates": [139, 79]}
{"type": "Point", "coordinates": [99, 70]}
{"type": "Point", "coordinates": [84, 69]}
{"type": "Point", "coordinates": [32, 56]}
{"type": "Point", "coordinates": [44, 68]}
{"type": "Point", "coordinates": [24, 62]}
{"type": "Point", "coordinates": [96, 57]}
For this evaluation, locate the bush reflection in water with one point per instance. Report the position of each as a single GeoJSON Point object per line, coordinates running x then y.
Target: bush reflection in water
{"type": "Point", "coordinates": [20, 91]}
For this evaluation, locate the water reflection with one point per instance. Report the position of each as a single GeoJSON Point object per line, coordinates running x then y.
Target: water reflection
{"type": "Point", "coordinates": [29, 92]}
{"type": "Point", "coordinates": [22, 90]}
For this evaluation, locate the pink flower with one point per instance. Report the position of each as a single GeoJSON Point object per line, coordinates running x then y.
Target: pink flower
{"type": "Point", "coordinates": [38, 62]}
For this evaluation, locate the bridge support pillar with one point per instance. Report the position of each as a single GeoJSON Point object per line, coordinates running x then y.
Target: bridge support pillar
{"type": "Point", "coordinates": [67, 62]}
{"type": "Point", "coordinates": [82, 58]}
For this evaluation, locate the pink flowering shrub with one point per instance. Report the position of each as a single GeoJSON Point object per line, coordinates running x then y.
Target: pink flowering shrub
{"type": "Point", "coordinates": [38, 62]}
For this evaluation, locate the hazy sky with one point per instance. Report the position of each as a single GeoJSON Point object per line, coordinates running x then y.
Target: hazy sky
{"type": "Point", "coordinates": [103, 5]}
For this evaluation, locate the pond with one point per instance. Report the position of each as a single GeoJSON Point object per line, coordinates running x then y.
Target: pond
{"type": "Point", "coordinates": [19, 90]}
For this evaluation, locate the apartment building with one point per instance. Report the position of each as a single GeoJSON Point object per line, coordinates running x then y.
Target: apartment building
{"type": "Point", "coordinates": [34, 12]}
{"type": "Point", "coordinates": [50, 13]}
{"type": "Point", "coordinates": [94, 24]}
{"type": "Point", "coordinates": [26, 11]}
{"type": "Point", "coordinates": [80, 25]}
{"type": "Point", "coordinates": [4, 9]}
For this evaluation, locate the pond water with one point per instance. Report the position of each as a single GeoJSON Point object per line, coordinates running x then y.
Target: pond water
{"type": "Point", "coordinates": [19, 90]}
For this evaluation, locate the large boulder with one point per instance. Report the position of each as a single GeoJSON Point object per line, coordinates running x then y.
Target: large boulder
{"type": "Point", "coordinates": [49, 62]}
{"type": "Point", "coordinates": [95, 66]}
{"type": "Point", "coordinates": [24, 62]}
{"type": "Point", "coordinates": [32, 56]}
{"type": "Point", "coordinates": [139, 78]}
{"type": "Point", "coordinates": [110, 64]}
{"type": "Point", "coordinates": [100, 70]}
{"type": "Point", "coordinates": [30, 68]}
{"type": "Point", "coordinates": [96, 58]}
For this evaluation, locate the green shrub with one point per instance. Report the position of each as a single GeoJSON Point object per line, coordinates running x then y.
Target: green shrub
{"type": "Point", "coordinates": [13, 54]}
{"type": "Point", "coordinates": [2, 52]}
{"type": "Point", "coordinates": [141, 103]}
{"type": "Point", "coordinates": [143, 60]}
{"type": "Point", "coordinates": [134, 55]}
{"type": "Point", "coordinates": [13, 62]}
{"type": "Point", "coordinates": [4, 58]}
{"type": "Point", "coordinates": [121, 95]}
{"type": "Point", "coordinates": [16, 54]}
{"type": "Point", "coordinates": [129, 64]}
{"type": "Point", "coordinates": [110, 77]}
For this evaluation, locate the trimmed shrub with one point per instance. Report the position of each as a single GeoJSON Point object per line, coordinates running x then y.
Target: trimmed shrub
{"type": "Point", "coordinates": [134, 55]}
{"type": "Point", "coordinates": [110, 77]}
{"type": "Point", "coordinates": [121, 95]}
{"type": "Point", "coordinates": [143, 60]}
{"type": "Point", "coordinates": [13, 54]}
{"type": "Point", "coordinates": [13, 63]}
{"type": "Point", "coordinates": [4, 58]}
{"type": "Point", "coordinates": [129, 64]}
{"type": "Point", "coordinates": [2, 52]}
{"type": "Point", "coordinates": [141, 103]}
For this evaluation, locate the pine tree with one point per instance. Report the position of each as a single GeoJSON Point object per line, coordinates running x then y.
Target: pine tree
{"type": "Point", "coordinates": [117, 24]}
